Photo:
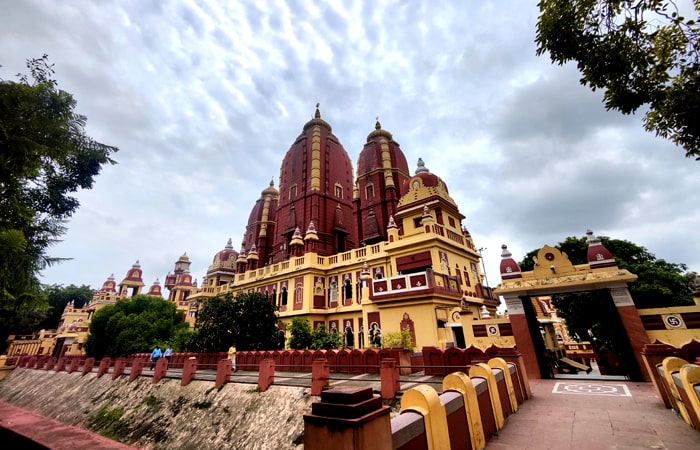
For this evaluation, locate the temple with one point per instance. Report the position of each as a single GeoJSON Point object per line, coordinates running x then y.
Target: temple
{"type": "Point", "coordinates": [381, 252]}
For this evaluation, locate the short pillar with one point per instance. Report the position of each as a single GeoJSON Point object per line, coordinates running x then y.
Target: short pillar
{"type": "Point", "coordinates": [160, 371]}
{"type": "Point", "coordinates": [189, 370]}
{"type": "Point", "coordinates": [119, 366]}
{"type": "Point", "coordinates": [654, 355]}
{"type": "Point", "coordinates": [425, 400]}
{"type": "Point", "coordinates": [61, 364]}
{"type": "Point", "coordinates": [74, 364]}
{"type": "Point", "coordinates": [389, 374]}
{"type": "Point", "coordinates": [349, 418]}
{"type": "Point", "coordinates": [513, 356]}
{"type": "Point", "coordinates": [136, 369]}
{"type": "Point", "coordinates": [89, 364]}
{"type": "Point", "coordinates": [104, 366]}
{"type": "Point", "coordinates": [50, 364]}
{"type": "Point", "coordinates": [223, 372]}
{"type": "Point", "coordinates": [266, 374]}
{"type": "Point", "coordinates": [320, 376]}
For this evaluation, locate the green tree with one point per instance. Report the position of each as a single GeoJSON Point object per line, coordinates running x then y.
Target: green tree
{"type": "Point", "coordinates": [59, 296]}
{"type": "Point", "coordinates": [322, 339]}
{"type": "Point", "coordinates": [248, 320]}
{"type": "Point", "coordinates": [641, 53]}
{"type": "Point", "coordinates": [300, 331]}
{"type": "Point", "coordinates": [133, 325]}
{"type": "Point", "coordinates": [46, 157]}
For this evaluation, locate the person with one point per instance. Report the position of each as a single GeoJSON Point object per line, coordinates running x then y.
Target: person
{"type": "Point", "coordinates": [155, 354]}
{"type": "Point", "coordinates": [167, 353]}
{"type": "Point", "coordinates": [232, 356]}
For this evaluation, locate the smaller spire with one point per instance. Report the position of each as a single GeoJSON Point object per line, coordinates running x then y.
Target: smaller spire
{"type": "Point", "coordinates": [421, 167]}
{"type": "Point", "coordinates": [377, 126]}
{"type": "Point", "coordinates": [426, 212]}
{"type": "Point", "coordinates": [392, 222]}
{"type": "Point", "coordinates": [311, 233]}
{"type": "Point", "coordinates": [509, 267]}
{"type": "Point", "coordinates": [296, 237]}
{"type": "Point", "coordinates": [318, 113]}
{"type": "Point", "coordinates": [485, 314]}
{"type": "Point", "coordinates": [229, 244]}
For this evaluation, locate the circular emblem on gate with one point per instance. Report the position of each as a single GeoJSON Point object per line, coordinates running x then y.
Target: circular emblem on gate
{"type": "Point", "coordinates": [456, 316]}
{"type": "Point", "coordinates": [673, 321]}
{"type": "Point", "coordinates": [493, 330]}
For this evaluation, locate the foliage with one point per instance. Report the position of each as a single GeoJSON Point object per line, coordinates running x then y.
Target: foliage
{"type": "Point", "coordinates": [640, 53]}
{"type": "Point", "coordinates": [46, 156]}
{"type": "Point", "coordinates": [398, 339]}
{"type": "Point", "coordinates": [322, 339]}
{"type": "Point", "coordinates": [659, 283]}
{"type": "Point", "coordinates": [59, 296]}
{"type": "Point", "coordinates": [300, 331]}
{"type": "Point", "coordinates": [133, 325]}
{"type": "Point", "coordinates": [248, 320]}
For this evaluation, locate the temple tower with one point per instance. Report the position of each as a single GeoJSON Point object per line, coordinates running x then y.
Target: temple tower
{"type": "Point", "coordinates": [382, 175]}
{"type": "Point", "coordinates": [316, 185]}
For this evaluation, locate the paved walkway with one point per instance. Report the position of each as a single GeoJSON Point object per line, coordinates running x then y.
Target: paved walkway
{"type": "Point", "coordinates": [19, 424]}
{"type": "Point", "coordinates": [592, 415]}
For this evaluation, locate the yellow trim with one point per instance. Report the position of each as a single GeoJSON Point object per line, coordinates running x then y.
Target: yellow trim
{"type": "Point", "coordinates": [460, 382]}
{"type": "Point", "coordinates": [500, 363]}
{"type": "Point", "coordinates": [482, 370]}
{"type": "Point", "coordinates": [425, 400]}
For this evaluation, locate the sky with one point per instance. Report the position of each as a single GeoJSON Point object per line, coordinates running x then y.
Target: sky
{"type": "Point", "coordinates": [204, 98]}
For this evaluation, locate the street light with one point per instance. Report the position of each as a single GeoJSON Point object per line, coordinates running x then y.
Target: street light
{"type": "Point", "coordinates": [483, 266]}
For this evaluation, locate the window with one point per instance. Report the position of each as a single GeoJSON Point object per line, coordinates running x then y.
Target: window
{"type": "Point", "coordinates": [451, 221]}
{"type": "Point", "coordinates": [438, 216]}
{"type": "Point", "coordinates": [338, 191]}
{"type": "Point", "coordinates": [293, 192]}
{"type": "Point", "coordinates": [369, 191]}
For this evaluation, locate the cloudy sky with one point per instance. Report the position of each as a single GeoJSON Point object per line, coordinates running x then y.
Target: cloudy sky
{"type": "Point", "coordinates": [204, 98]}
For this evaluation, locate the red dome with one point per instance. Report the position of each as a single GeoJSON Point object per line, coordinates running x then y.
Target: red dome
{"type": "Point", "coordinates": [509, 268]}
{"type": "Point", "coordinates": [598, 255]}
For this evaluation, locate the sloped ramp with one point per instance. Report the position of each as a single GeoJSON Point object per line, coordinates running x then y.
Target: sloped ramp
{"type": "Point", "coordinates": [574, 364]}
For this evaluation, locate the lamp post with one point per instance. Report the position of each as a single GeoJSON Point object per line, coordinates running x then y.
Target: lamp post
{"type": "Point", "coordinates": [483, 266]}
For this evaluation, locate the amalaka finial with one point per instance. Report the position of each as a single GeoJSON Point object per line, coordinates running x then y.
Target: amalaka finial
{"type": "Point", "coordinates": [318, 113]}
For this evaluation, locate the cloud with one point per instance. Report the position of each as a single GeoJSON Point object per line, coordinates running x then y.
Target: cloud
{"type": "Point", "coordinates": [204, 98]}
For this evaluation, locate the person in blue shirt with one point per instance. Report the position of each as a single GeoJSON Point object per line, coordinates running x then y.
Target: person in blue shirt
{"type": "Point", "coordinates": [167, 353]}
{"type": "Point", "coordinates": [155, 354]}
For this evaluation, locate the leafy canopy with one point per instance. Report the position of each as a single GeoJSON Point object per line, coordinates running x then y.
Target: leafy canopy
{"type": "Point", "coordinates": [248, 320]}
{"type": "Point", "coordinates": [46, 157]}
{"type": "Point", "coordinates": [303, 337]}
{"type": "Point", "coordinates": [59, 296]}
{"type": "Point", "coordinates": [133, 325]}
{"type": "Point", "coordinates": [641, 53]}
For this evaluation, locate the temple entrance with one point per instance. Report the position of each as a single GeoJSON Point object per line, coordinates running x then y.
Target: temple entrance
{"type": "Point", "coordinates": [612, 347]}
{"type": "Point", "coordinates": [597, 347]}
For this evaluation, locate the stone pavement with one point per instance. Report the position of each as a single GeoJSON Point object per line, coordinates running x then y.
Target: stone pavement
{"type": "Point", "coordinates": [592, 415]}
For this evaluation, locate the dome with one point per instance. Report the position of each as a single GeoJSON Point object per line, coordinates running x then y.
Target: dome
{"type": "Point", "coordinates": [598, 254]}
{"type": "Point", "coordinates": [227, 254]}
{"type": "Point", "coordinates": [424, 186]}
{"type": "Point", "coordinates": [509, 268]}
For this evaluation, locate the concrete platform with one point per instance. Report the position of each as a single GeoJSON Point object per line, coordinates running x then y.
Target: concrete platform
{"type": "Point", "coordinates": [592, 415]}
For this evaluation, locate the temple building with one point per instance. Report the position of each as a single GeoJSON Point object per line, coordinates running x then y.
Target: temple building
{"type": "Point", "coordinates": [381, 252]}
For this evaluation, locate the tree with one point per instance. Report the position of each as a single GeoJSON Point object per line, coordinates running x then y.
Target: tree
{"type": "Point", "coordinates": [46, 157]}
{"type": "Point", "coordinates": [248, 320]}
{"type": "Point", "coordinates": [322, 339]}
{"type": "Point", "coordinates": [640, 53]}
{"type": "Point", "coordinates": [300, 331]}
{"type": "Point", "coordinates": [58, 297]}
{"type": "Point", "coordinates": [133, 325]}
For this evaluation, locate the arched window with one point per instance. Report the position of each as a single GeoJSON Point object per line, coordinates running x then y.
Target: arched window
{"type": "Point", "coordinates": [338, 190]}
{"type": "Point", "coordinates": [369, 191]}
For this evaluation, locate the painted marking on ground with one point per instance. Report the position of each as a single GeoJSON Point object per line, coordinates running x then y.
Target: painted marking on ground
{"type": "Point", "coordinates": [605, 389]}
{"type": "Point", "coordinates": [356, 377]}
{"type": "Point", "coordinates": [406, 386]}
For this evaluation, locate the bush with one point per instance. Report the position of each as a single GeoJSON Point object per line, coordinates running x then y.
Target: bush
{"type": "Point", "coordinates": [400, 339]}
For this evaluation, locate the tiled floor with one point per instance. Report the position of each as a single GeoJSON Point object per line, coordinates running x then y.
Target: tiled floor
{"type": "Point", "coordinates": [578, 414]}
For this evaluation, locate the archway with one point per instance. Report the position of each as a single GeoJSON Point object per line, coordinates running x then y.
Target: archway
{"type": "Point", "coordinates": [553, 274]}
